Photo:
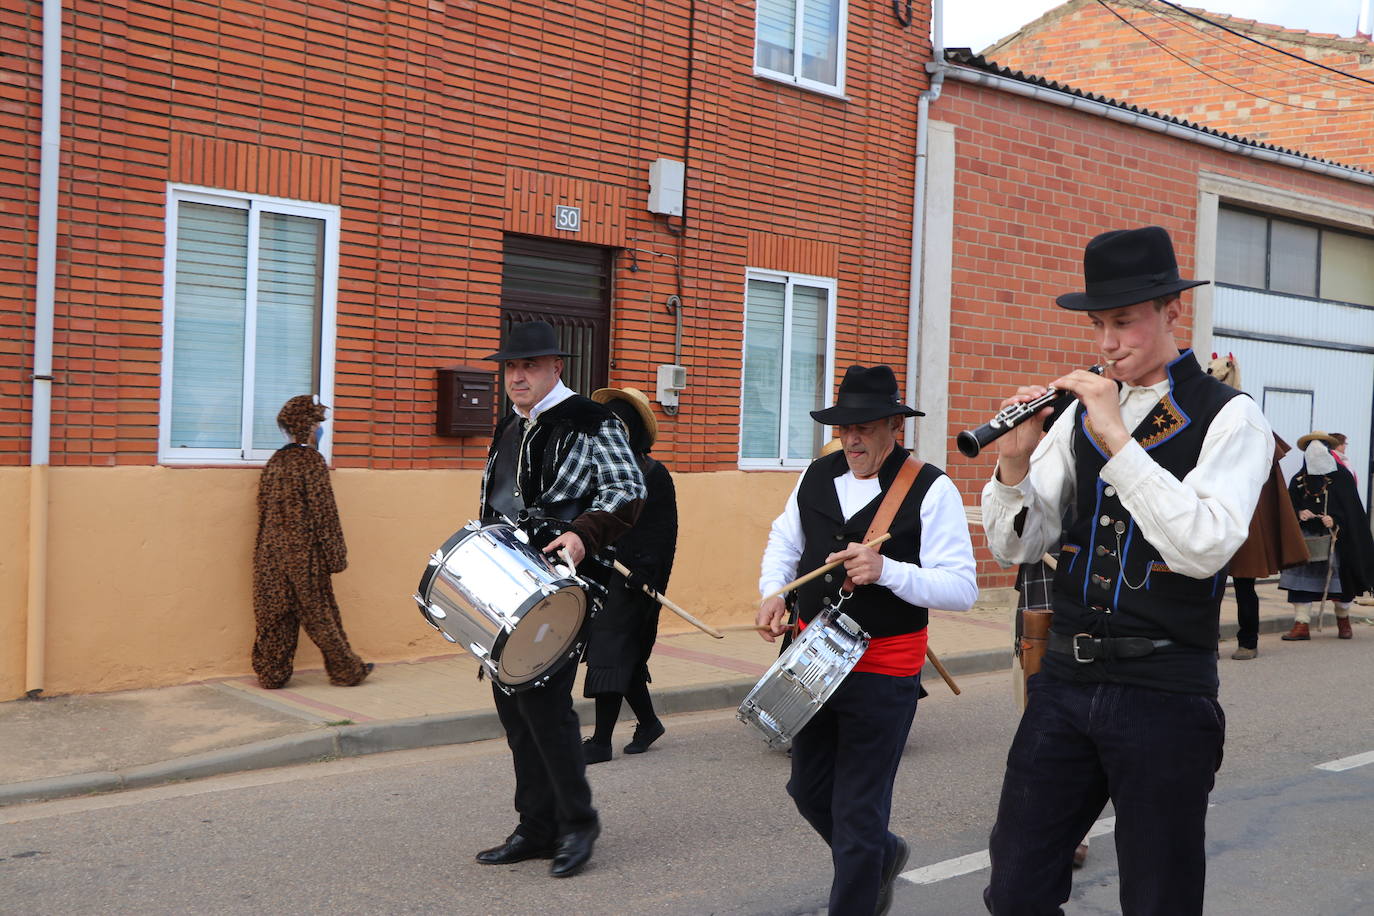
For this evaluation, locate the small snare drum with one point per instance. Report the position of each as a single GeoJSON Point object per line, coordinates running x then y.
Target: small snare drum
{"type": "Point", "coordinates": [804, 677]}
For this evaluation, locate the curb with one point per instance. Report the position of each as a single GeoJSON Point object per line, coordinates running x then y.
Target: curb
{"type": "Point", "coordinates": [428, 731]}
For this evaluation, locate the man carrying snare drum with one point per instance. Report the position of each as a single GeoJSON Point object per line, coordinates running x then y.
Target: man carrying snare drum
{"type": "Point", "coordinates": [561, 469]}
{"type": "Point", "coordinates": [844, 761]}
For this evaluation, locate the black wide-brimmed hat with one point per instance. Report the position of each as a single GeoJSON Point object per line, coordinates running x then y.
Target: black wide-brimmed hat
{"type": "Point", "coordinates": [1127, 266]}
{"type": "Point", "coordinates": [866, 393]}
{"type": "Point", "coordinates": [528, 340]}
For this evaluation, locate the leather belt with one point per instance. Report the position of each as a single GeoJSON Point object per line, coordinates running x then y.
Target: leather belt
{"type": "Point", "coordinates": [1086, 648]}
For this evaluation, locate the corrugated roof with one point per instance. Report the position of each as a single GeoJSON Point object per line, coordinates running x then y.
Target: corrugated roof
{"type": "Point", "coordinates": [966, 58]}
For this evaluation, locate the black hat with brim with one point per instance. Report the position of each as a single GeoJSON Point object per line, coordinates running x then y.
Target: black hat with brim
{"type": "Point", "coordinates": [528, 340]}
{"type": "Point", "coordinates": [1127, 266]}
{"type": "Point", "coordinates": [866, 394]}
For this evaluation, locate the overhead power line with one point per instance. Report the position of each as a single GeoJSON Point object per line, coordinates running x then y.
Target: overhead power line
{"type": "Point", "coordinates": [1212, 76]}
{"type": "Point", "coordinates": [1251, 38]}
{"type": "Point", "coordinates": [1256, 57]}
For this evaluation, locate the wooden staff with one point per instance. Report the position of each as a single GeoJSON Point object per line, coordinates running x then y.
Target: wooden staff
{"type": "Point", "coordinates": [943, 673]}
{"type": "Point", "coordinates": [824, 569]}
{"type": "Point", "coordinates": [663, 599]}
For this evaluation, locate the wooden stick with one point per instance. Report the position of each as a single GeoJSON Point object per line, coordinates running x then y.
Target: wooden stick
{"type": "Point", "coordinates": [824, 569]}
{"type": "Point", "coordinates": [663, 599]}
{"type": "Point", "coordinates": [943, 673]}
{"type": "Point", "coordinates": [750, 627]}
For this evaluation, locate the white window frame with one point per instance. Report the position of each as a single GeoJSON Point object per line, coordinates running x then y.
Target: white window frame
{"type": "Point", "coordinates": [795, 78]}
{"type": "Point", "coordinates": [789, 280]}
{"type": "Point", "coordinates": [246, 455]}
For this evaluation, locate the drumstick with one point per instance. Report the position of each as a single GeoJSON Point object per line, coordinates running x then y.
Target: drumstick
{"type": "Point", "coordinates": [748, 627]}
{"type": "Point", "coordinates": [943, 673]}
{"type": "Point", "coordinates": [826, 568]}
{"type": "Point", "coordinates": [663, 599]}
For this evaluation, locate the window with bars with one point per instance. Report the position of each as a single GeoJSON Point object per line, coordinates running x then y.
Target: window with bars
{"type": "Point", "coordinates": [248, 321]}
{"type": "Point", "coordinates": [1258, 251]}
{"type": "Point", "coordinates": [789, 359]}
{"type": "Point", "coordinates": [569, 286]}
{"type": "Point", "coordinates": [802, 42]}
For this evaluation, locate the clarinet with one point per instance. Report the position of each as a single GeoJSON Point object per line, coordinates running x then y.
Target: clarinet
{"type": "Point", "coordinates": [973, 441]}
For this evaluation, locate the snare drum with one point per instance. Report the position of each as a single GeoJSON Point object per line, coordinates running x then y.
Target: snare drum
{"type": "Point", "coordinates": [490, 592]}
{"type": "Point", "coordinates": [804, 677]}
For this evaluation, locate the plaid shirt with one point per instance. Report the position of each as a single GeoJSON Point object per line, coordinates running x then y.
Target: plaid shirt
{"type": "Point", "coordinates": [601, 464]}
{"type": "Point", "coordinates": [1035, 582]}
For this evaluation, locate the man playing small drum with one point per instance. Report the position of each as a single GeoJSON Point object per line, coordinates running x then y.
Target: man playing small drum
{"type": "Point", "coordinates": [844, 761]}
{"type": "Point", "coordinates": [561, 469]}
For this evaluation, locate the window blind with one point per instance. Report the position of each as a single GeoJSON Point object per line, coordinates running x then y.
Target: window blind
{"type": "Point", "coordinates": [210, 289]}
{"type": "Point", "coordinates": [777, 35]}
{"type": "Point", "coordinates": [806, 388]}
{"type": "Point", "coordinates": [761, 408]}
{"type": "Point", "coordinates": [287, 333]}
{"type": "Point", "coordinates": [820, 40]}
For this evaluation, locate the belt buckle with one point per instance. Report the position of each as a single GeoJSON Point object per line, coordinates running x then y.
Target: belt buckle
{"type": "Point", "coordinates": [1076, 657]}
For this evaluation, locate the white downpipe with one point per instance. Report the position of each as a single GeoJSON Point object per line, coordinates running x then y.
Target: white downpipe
{"type": "Point", "coordinates": [45, 286]}
{"type": "Point", "coordinates": [918, 214]}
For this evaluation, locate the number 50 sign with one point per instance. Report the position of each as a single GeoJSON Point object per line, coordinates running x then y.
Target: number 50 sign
{"type": "Point", "coordinates": [568, 219]}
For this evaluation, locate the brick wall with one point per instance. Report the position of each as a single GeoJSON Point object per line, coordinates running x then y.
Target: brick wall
{"type": "Point", "coordinates": [1034, 182]}
{"type": "Point", "coordinates": [437, 127]}
{"type": "Point", "coordinates": [20, 78]}
{"type": "Point", "coordinates": [1243, 89]}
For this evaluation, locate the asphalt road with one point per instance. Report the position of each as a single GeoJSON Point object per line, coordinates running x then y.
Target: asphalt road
{"type": "Point", "coordinates": [702, 824]}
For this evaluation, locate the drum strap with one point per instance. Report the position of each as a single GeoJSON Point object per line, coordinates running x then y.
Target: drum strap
{"type": "Point", "coordinates": [892, 501]}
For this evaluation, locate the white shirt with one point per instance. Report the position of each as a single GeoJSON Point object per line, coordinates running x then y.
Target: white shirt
{"type": "Point", "coordinates": [1197, 523]}
{"type": "Point", "coordinates": [945, 577]}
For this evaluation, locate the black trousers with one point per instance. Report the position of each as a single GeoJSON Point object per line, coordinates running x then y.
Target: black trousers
{"type": "Point", "coordinates": [843, 765]}
{"type": "Point", "coordinates": [1247, 612]}
{"type": "Point", "coordinates": [552, 795]}
{"type": "Point", "coordinates": [1153, 754]}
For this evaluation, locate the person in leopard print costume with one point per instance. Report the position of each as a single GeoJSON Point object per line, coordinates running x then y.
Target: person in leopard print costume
{"type": "Point", "coordinates": [300, 546]}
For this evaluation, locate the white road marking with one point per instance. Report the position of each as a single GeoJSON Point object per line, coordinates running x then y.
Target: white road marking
{"type": "Point", "coordinates": [1347, 763]}
{"type": "Point", "coordinates": [977, 861]}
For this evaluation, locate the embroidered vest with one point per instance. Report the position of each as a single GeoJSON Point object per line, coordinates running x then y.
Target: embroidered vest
{"type": "Point", "coordinates": [825, 530]}
{"type": "Point", "coordinates": [1110, 581]}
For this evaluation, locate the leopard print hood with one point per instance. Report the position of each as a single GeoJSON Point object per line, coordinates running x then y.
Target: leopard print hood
{"type": "Point", "coordinates": [298, 417]}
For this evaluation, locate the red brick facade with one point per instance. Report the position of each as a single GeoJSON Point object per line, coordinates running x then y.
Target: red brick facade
{"type": "Point", "coordinates": [437, 128]}
{"type": "Point", "coordinates": [1208, 75]}
{"type": "Point", "coordinates": [1034, 182]}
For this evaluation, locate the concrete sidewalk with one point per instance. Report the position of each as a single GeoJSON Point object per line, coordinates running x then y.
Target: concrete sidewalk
{"type": "Point", "coordinates": [74, 745]}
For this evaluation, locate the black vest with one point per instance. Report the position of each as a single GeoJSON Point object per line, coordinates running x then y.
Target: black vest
{"type": "Point", "coordinates": [539, 454]}
{"type": "Point", "coordinates": [1110, 581]}
{"type": "Point", "coordinates": [825, 530]}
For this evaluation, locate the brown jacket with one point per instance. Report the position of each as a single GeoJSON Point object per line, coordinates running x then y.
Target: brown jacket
{"type": "Point", "coordinates": [1275, 540]}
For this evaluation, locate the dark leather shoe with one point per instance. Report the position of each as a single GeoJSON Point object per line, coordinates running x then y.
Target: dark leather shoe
{"type": "Point", "coordinates": [1343, 630]}
{"type": "Point", "coordinates": [595, 753]}
{"type": "Point", "coordinates": [894, 868]}
{"type": "Point", "coordinates": [574, 850]}
{"type": "Point", "coordinates": [517, 848]}
{"type": "Point", "coordinates": [645, 735]}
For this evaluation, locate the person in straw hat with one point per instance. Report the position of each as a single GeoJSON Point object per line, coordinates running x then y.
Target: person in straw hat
{"type": "Point", "coordinates": [1328, 504]}
{"type": "Point", "coordinates": [845, 759]}
{"type": "Point", "coordinates": [1149, 481]}
{"type": "Point", "coordinates": [622, 633]}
